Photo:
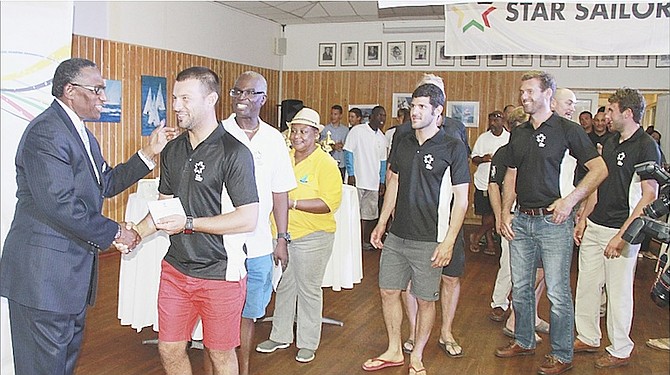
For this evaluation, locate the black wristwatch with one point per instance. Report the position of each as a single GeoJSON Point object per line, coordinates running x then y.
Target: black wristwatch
{"type": "Point", "coordinates": [286, 236]}
{"type": "Point", "coordinates": [188, 227]}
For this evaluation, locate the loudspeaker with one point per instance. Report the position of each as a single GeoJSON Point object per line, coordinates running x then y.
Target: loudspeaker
{"type": "Point", "coordinates": [289, 108]}
{"type": "Point", "coordinates": [280, 46]}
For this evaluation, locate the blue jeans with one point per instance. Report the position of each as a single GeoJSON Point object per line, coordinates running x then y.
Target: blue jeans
{"type": "Point", "coordinates": [533, 236]}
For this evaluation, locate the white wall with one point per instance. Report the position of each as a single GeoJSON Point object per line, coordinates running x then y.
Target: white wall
{"type": "Point", "coordinates": [195, 27]}
{"type": "Point", "coordinates": [303, 47]}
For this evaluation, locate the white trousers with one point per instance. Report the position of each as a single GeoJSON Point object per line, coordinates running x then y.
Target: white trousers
{"type": "Point", "coordinates": [618, 274]}
{"type": "Point", "coordinates": [503, 285]}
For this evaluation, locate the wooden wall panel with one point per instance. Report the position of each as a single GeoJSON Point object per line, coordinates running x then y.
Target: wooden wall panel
{"type": "Point", "coordinates": [320, 90]}
{"type": "Point", "coordinates": [127, 63]}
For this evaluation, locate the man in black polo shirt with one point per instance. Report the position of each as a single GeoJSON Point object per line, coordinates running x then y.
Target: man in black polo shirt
{"type": "Point", "coordinates": [618, 201]}
{"type": "Point", "coordinates": [203, 273]}
{"type": "Point", "coordinates": [599, 134]}
{"type": "Point", "coordinates": [544, 219]}
{"type": "Point", "coordinates": [429, 168]}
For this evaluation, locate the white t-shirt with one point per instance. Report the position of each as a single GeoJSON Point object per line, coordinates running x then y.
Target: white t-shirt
{"type": "Point", "coordinates": [389, 140]}
{"type": "Point", "coordinates": [369, 149]}
{"type": "Point", "coordinates": [274, 174]}
{"type": "Point", "coordinates": [487, 143]}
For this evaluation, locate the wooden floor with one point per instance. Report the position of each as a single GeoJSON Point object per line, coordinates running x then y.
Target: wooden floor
{"type": "Point", "coordinates": [112, 349]}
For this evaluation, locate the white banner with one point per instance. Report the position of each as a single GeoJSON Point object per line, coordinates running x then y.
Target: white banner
{"type": "Point", "coordinates": [36, 37]}
{"type": "Point", "coordinates": [576, 29]}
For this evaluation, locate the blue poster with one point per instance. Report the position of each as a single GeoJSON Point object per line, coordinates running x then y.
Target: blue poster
{"type": "Point", "coordinates": [111, 111]}
{"type": "Point", "coordinates": [153, 103]}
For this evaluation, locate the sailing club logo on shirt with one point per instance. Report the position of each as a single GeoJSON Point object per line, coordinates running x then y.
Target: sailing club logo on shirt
{"type": "Point", "coordinates": [619, 158]}
{"type": "Point", "coordinates": [428, 161]}
{"type": "Point", "coordinates": [493, 171]}
{"type": "Point", "coordinates": [198, 169]}
{"type": "Point", "coordinates": [540, 138]}
{"type": "Point", "coordinates": [303, 179]}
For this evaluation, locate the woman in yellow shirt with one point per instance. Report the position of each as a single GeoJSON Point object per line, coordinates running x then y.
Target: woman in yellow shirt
{"type": "Point", "coordinates": [312, 225]}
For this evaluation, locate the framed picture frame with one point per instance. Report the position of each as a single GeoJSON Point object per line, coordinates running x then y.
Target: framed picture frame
{"type": "Point", "coordinates": [522, 60]}
{"type": "Point", "coordinates": [420, 53]}
{"type": "Point", "coordinates": [349, 54]}
{"type": "Point", "coordinates": [111, 110]}
{"type": "Point", "coordinates": [578, 62]}
{"type": "Point", "coordinates": [637, 61]}
{"type": "Point", "coordinates": [663, 61]}
{"type": "Point", "coordinates": [366, 110]}
{"type": "Point", "coordinates": [401, 100]}
{"type": "Point", "coordinates": [496, 60]}
{"type": "Point", "coordinates": [550, 61]}
{"type": "Point", "coordinates": [395, 53]}
{"type": "Point", "coordinates": [440, 58]}
{"type": "Point", "coordinates": [372, 54]}
{"type": "Point", "coordinates": [472, 60]}
{"type": "Point", "coordinates": [610, 61]}
{"type": "Point", "coordinates": [327, 54]}
{"type": "Point", "coordinates": [466, 112]}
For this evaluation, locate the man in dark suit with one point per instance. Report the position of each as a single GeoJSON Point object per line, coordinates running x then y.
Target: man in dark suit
{"type": "Point", "coordinates": [48, 270]}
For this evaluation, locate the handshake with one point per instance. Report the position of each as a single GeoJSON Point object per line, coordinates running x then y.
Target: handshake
{"type": "Point", "coordinates": [128, 238]}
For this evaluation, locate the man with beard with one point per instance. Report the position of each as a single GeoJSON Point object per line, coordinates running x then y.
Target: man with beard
{"type": "Point", "coordinates": [544, 219]}
{"type": "Point", "coordinates": [203, 273]}
{"type": "Point", "coordinates": [271, 162]}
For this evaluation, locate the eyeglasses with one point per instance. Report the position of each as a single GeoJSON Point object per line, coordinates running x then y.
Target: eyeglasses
{"type": "Point", "coordinates": [237, 93]}
{"type": "Point", "coordinates": [497, 115]}
{"type": "Point", "coordinates": [94, 89]}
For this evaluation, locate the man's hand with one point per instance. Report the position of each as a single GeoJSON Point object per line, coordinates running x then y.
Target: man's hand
{"type": "Point", "coordinates": [338, 146]}
{"type": "Point", "coordinates": [377, 234]}
{"type": "Point", "coordinates": [561, 210]}
{"type": "Point", "coordinates": [506, 225]}
{"type": "Point", "coordinates": [614, 247]}
{"type": "Point", "coordinates": [172, 224]}
{"type": "Point", "coordinates": [158, 139]}
{"type": "Point", "coordinates": [442, 254]}
{"type": "Point", "coordinates": [578, 233]}
{"type": "Point", "coordinates": [280, 253]}
{"type": "Point", "coordinates": [128, 240]}
{"type": "Point", "coordinates": [351, 180]}
{"type": "Point", "coordinates": [382, 190]}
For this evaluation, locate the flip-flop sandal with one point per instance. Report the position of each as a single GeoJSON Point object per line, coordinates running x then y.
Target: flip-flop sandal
{"type": "Point", "coordinates": [451, 348]}
{"type": "Point", "coordinates": [474, 245]}
{"type": "Point", "coordinates": [414, 371]}
{"type": "Point", "coordinates": [408, 346]}
{"type": "Point", "coordinates": [383, 363]}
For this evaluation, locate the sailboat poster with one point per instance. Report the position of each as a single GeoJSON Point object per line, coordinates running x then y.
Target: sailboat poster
{"type": "Point", "coordinates": [111, 110]}
{"type": "Point", "coordinates": [153, 103]}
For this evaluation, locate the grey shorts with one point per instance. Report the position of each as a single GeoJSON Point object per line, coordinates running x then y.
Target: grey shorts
{"type": "Point", "coordinates": [369, 203]}
{"type": "Point", "coordinates": [456, 266]}
{"type": "Point", "coordinates": [404, 260]}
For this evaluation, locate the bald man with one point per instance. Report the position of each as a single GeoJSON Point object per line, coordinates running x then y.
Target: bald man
{"type": "Point", "coordinates": [563, 102]}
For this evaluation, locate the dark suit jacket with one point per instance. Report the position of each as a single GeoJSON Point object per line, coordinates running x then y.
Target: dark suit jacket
{"type": "Point", "coordinates": [49, 261]}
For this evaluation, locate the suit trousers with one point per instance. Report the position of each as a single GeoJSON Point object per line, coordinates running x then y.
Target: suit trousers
{"type": "Point", "coordinates": [503, 284]}
{"type": "Point", "coordinates": [45, 342]}
{"type": "Point", "coordinates": [300, 287]}
{"type": "Point", "coordinates": [596, 271]}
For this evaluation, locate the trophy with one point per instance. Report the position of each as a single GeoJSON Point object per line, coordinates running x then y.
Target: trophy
{"type": "Point", "coordinates": [326, 144]}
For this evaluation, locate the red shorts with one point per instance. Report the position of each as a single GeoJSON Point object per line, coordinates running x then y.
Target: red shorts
{"type": "Point", "coordinates": [182, 299]}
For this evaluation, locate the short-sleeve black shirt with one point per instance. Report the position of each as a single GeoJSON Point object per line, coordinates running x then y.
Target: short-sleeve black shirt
{"type": "Point", "coordinates": [426, 175]}
{"type": "Point", "coordinates": [209, 180]}
{"type": "Point", "coordinates": [498, 166]}
{"type": "Point", "coordinates": [621, 190]}
{"type": "Point", "coordinates": [537, 154]}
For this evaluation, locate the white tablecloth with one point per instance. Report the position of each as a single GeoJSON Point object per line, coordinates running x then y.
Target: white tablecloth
{"type": "Point", "coordinates": [140, 270]}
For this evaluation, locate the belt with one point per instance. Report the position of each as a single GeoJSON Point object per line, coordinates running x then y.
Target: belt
{"type": "Point", "coordinates": [535, 211]}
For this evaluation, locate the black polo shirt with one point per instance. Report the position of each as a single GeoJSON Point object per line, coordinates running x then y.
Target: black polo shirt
{"type": "Point", "coordinates": [498, 166]}
{"type": "Point", "coordinates": [426, 175]}
{"type": "Point", "coordinates": [621, 191]}
{"type": "Point", "coordinates": [210, 180]}
{"type": "Point", "coordinates": [595, 138]}
{"type": "Point", "coordinates": [537, 154]}
{"type": "Point", "coordinates": [451, 126]}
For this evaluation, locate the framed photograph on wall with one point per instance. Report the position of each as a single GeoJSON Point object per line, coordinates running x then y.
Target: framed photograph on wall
{"type": "Point", "coordinates": [372, 54]}
{"type": "Point", "coordinates": [420, 53]}
{"type": "Point", "coordinates": [637, 61]}
{"type": "Point", "coordinates": [496, 60]}
{"type": "Point", "coordinates": [349, 54]}
{"type": "Point", "coordinates": [111, 110]}
{"type": "Point", "coordinates": [663, 61]}
{"type": "Point", "coordinates": [611, 61]}
{"type": "Point", "coordinates": [440, 58]}
{"type": "Point", "coordinates": [522, 60]}
{"type": "Point", "coordinates": [366, 110]}
{"type": "Point", "coordinates": [550, 61]}
{"type": "Point", "coordinates": [327, 54]}
{"type": "Point", "coordinates": [395, 53]}
{"type": "Point", "coordinates": [400, 100]}
{"type": "Point", "coordinates": [466, 112]}
{"type": "Point", "coordinates": [472, 60]}
{"type": "Point", "coordinates": [578, 61]}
